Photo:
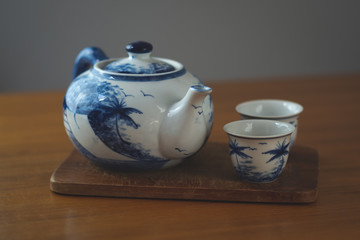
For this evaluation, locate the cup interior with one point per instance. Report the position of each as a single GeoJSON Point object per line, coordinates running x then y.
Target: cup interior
{"type": "Point", "coordinates": [269, 108]}
{"type": "Point", "coordinates": [257, 128]}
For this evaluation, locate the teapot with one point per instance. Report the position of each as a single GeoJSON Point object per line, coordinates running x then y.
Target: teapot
{"type": "Point", "coordinates": [138, 112]}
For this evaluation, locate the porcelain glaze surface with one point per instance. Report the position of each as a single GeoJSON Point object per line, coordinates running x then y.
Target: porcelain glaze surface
{"type": "Point", "coordinates": [259, 149]}
{"type": "Point", "coordinates": [137, 120]}
{"type": "Point", "coordinates": [272, 109]}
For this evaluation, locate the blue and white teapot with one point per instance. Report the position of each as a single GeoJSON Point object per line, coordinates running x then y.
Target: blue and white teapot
{"type": "Point", "coordinates": [138, 112]}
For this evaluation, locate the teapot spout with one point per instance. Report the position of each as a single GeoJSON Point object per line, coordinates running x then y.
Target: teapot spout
{"type": "Point", "coordinates": [187, 124]}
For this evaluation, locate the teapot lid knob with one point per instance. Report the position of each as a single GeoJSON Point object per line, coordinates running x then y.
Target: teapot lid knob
{"type": "Point", "coordinates": [139, 61]}
{"type": "Point", "coordinates": [139, 47]}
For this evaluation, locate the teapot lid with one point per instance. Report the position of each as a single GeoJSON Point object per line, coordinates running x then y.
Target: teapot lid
{"type": "Point", "coordinates": [139, 61]}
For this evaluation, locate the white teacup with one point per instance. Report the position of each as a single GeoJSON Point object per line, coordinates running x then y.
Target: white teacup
{"type": "Point", "coordinates": [272, 109]}
{"type": "Point", "coordinates": [259, 149]}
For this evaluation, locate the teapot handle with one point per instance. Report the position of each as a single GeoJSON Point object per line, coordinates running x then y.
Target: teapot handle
{"type": "Point", "coordinates": [86, 59]}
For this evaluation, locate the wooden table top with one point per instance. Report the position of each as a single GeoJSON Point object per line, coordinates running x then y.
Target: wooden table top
{"type": "Point", "coordinates": [33, 143]}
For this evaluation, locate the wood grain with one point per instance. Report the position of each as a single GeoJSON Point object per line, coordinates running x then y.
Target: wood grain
{"type": "Point", "coordinates": [33, 143]}
{"type": "Point", "coordinates": [207, 176]}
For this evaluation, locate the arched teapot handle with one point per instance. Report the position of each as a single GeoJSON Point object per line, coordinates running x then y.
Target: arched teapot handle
{"type": "Point", "coordinates": [86, 59]}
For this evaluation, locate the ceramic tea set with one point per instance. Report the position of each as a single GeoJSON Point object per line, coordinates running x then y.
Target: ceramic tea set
{"type": "Point", "coordinates": [260, 143]}
{"type": "Point", "coordinates": [144, 112]}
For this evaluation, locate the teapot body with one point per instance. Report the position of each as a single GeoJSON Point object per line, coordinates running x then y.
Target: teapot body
{"type": "Point", "coordinates": [117, 120]}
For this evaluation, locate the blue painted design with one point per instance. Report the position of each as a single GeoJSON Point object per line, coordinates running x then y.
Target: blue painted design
{"type": "Point", "coordinates": [248, 172]}
{"type": "Point", "coordinates": [123, 68]}
{"type": "Point", "coordinates": [276, 170]}
{"type": "Point", "coordinates": [183, 151]}
{"type": "Point", "coordinates": [267, 176]}
{"type": "Point", "coordinates": [130, 68]}
{"type": "Point", "coordinates": [162, 68]}
{"type": "Point", "coordinates": [139, 78]}
{"type": "Point", "coordinates": [76, 143]}
{"type": "Point", "coordinates": [146, 94]}
{"type": "Point", "coordinates": [108, 113]}
{"type": "Point", "coordinates": [128, 95]}
{"type": "Point", "coordinates": [196, 107]}
{"type": "Point", "coordinates": [211, 118]}
{"type": "Point", "coordinates": [238, 150]}
{"type": "Point", "coordinates": [86, 59]}
{"type": "Point", "coordinates": [243, 165]}
{"type": "Point", "coordinates": [262, 143]}
{"type": "Point", "coordinates": [180, 150]}
{"type": "Point", "coordinates": [110, 163]}
{"type": "Point", "coordinates": [281, 150]}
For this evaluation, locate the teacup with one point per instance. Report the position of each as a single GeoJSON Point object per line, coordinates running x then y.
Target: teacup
{"type": "Point", "coordinates": [272, 109]}
{"type": "Point", "coordinates": [259, 149]}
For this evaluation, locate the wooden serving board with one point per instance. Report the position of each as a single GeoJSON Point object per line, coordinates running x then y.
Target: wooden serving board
{"type": "Point", "coordinates": [209, 175]}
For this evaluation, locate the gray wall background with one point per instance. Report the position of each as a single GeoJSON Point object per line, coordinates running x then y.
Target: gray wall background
{"type": "Point", "coordinates": [216, 40]}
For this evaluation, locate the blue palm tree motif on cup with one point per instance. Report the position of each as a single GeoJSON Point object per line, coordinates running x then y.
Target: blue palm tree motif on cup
{"type": "Point", "coordinates": [238, 150]}
{"type": "Point", "coordinates": [242, 166]}
{"type": "Point", "coordinates": [281, 150]}
{"type": "Point", "coordinates": [248, 171]}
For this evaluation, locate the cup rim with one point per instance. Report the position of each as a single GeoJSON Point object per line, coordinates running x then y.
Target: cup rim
{"type": "Point", "coordinates": [265, 121]}
{"type": "Point", "coordinates": [240, 109]}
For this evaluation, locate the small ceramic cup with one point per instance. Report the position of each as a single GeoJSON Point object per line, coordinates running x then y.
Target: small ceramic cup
{"type": "Point", "coordinates": [259, 149]}
{"type": "Point", "coordinates": [272, 109]}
